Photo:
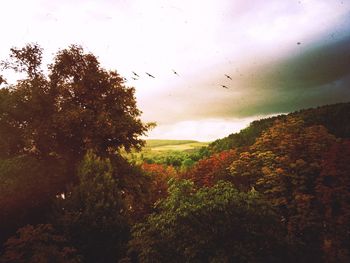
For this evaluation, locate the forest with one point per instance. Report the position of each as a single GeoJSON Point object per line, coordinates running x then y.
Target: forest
{"type": "Point", "coordinates": [77, 186]}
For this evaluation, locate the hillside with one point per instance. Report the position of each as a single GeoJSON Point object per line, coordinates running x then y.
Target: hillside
{"type": "Point", "coordinates": [177, 153]}
{"type": "Point", "coordinates": [335, 117]}
{"type": "Point", "coordinates": [173, 145]}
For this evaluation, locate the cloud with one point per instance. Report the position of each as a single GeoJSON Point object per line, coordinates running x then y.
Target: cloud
{"type": "Point", "coordinates": [201, 130]}
{"type": "Point", "coordinates": [314, 72]}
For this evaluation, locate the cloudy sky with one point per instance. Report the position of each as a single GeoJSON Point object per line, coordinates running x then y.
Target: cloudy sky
{"type": "Point", "coordinates": [281, 55]}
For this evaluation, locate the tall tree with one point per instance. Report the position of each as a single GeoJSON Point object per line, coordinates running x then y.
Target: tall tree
{"type": "Point", "coordinates": [74, 107]}
{"type": "Point", "coordinates": [93, 215]}
{"type": "Point", "coordinates": [49, 119]}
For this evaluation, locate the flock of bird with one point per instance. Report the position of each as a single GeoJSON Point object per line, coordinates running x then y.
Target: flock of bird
{"type": "Point", "coordinates": [136, 76]}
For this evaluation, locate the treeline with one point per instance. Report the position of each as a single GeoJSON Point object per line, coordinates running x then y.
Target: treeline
{"type": "Point", "coordinates": [335, 118]}
{"type": "Point", "coordinates": [276, 192]}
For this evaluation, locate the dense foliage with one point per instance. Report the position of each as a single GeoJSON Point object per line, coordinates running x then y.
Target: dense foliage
{"type": "Point", "coordinates": [27, 189]}
{"type": "Point", "coordinates": [218, 224]}
{"type": "Point", "coordinates": [335, 118]}
{"type": "Point", "coordinates": [210, 170]}
{"type": "Point", "coordinates": [284, 164]}
{"type": "Point", "coordinates": [303, 171]}
{"type": "Point", "coordinates": [39, 244]}
{"type": "Point", "coordinates": [93, 214]}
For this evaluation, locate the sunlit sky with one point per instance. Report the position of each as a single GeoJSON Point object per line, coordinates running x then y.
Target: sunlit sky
{"type": "Point", "coordinates": [281, 55]}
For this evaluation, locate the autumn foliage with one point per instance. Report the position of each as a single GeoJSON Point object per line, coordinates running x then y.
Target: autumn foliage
{"type": "Point", "coordinates": [160, 176]}
{"type": "Point", "coordinates": [208, 171]}
{"type": "Point", "coordinates": [333, 195]}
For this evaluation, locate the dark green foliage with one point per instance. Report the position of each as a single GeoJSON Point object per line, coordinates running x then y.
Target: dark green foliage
{"type": "Point", "coordinates": [93, 213]}
{"type": "Point", "coordinates": [135, 186]}
{"type": "Point", "coordinates": [39, 244]}
{"type": "Point", "coordinates": [27, 188]}
{"type": "Point", "coordinates": [245, 137]}
{"type": "Point", "coordinates": [217, 224]}
{"type": "Point", "coordinates": [177, 159]}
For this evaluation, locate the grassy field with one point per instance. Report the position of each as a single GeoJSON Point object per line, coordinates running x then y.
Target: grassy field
{"type": "Point", "coordinates": [169, 152]}
{"type": "Point", "coordinates": [173, 145]}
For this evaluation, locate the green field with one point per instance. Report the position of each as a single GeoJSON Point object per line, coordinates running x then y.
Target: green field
{"type": "Point", "coordinates": [170, 152]}
{"type": "Point", "coordinates": [173, 145]}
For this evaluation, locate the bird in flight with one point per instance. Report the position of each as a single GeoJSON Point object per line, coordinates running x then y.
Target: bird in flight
{"type": "Point", "coordinates": [134, 78]}
{"type": "Point", "coordinates": [175, 72]}
{"type": "Point", "coordinates": [135, 74]}
{"type": "Point", "coordinates": [227, 76]}
{"type": "Point", "coordinates": [150, 75]}
{"type": "Point", "coordinates": [2, 80]}
{"type": "Point", "coordinates": [225, 87]}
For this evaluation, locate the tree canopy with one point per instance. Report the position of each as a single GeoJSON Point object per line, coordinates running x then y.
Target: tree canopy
{"type": "Point", "coordinates": [58, 113]}
{"type": "Point", "coordinates": [217, 224]}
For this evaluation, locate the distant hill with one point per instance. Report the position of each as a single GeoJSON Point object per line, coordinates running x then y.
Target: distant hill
{"type": "Point", "coordinates": [157, 143]}
{"type": "Point", "coordinates": [175, 145]}
{"type": "Point", "coordinates": [335, 117]}
{"type": "Point", "coordinates": [177, 153]}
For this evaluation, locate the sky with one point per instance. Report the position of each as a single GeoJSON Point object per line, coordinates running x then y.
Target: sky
{"type": "Point", "coordinates": [280, 55]}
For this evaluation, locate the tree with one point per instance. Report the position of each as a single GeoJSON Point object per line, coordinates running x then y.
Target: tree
{"type": "Point", "coordinates": [93, 215]}
{"type": "Point", "coordinates": [50, 119]}
{"type": "Point", "coordinates": [27, 189]}
{"type": "Point", "coordinates": [217, 224]}
{"type": "Point", "coordinates": [209, 171]}
{"type": "Point", "coordinates": [160, 175]}
{"type": "Point", "coordinates": [284, 164]}
{"type": "Point", "coordinates": [41, 243]}
{"type": "Point", "coordinates": [59, 113]}
{"type": "Point", "coordinates": [333, 195]}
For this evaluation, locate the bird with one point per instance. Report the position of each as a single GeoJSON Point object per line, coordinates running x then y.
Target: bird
{"type": "Point", "coordinates": [225, 87]}
{"type": "Point", "coordinates": [298, 43]}
{"type": "Point", "coordinates": [134, 78]}
{"type": "Point", "coordinates": [2, 80]}
{"type": "Point", "coordinates": [227, 76]}
{"type": "Point", "coordinates": [135, 74]}
{"type": "Point", "coordinates": [150, 75]}
{"type": "Point", "coordinates": [175, 72]}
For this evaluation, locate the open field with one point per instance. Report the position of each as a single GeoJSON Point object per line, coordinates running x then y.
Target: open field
{"type": "Point", "coordinates": [169, 152]}
{"type": "Point", "coordinates": [173, 145]}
